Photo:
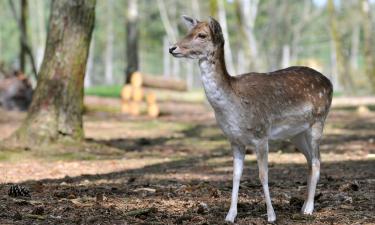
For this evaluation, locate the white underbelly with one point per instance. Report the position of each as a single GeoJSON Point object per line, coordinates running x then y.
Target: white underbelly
{"type": "Point", "coordinates": [287, 130]}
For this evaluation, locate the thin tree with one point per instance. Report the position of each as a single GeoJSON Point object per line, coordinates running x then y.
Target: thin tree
{"type": "Point", "coordinates": [23, 29]}
{"type": "Point", "coordinates": [55, 113]}
{"type": "Point", "coordinates": [24, 43]}
{"type": "Point", "coordinates": [369, 40]}
{"type": "Point", "coordinates": [246, 16]}
{"type": "Point", "coordinates": [132, 39]}
{"type": "Point", "coordinates": [109, 44]}
{"type": "Point", "coordinates": [343, 75]}
{"type": "Point", "coordinates": [227, 49]}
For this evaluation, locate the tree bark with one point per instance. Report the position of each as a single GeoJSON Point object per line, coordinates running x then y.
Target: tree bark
{"type": "Point", "coordinates": [55, 113]}
{"type": "Point", "coordinates": [132, 39]}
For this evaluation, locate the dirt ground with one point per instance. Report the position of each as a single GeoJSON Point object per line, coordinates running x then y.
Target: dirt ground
{"type": "Point", "coordinates": [178, 170]}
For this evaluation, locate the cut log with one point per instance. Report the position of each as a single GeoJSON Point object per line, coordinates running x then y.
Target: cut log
{"type": "Point", "coordinates": [164, 83]}
{"type": "Point", "coordinates": [126, 92]}
{"type": "Point", "coordinates": [150, 98]}
{"type": "Point", "coordinates": [125, 107]}
{"type": "Point", "coordinates": [135, 108]}
{"type": "Point", "coordinates": [153, 110]}
{"type": "Point", "coordinates": [137, 94]}
{"type": "Point", "coordinates": [136, 80]}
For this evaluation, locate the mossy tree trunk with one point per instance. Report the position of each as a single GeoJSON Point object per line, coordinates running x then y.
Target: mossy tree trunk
{"type": "Point", "coordinates": [56, 110]}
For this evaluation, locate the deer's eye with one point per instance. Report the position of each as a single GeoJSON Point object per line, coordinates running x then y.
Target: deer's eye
{"type": "Point", "coordinates": [202, 35]}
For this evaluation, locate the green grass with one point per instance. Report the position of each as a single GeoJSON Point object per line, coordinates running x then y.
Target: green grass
{"type": "Point", "coordinates": [104, 91]}
{"type": "Point", "coordinates": [194, 96]}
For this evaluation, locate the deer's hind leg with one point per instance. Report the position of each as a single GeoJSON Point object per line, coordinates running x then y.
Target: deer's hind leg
{"type": "Point", "coordinates": [308, 143]}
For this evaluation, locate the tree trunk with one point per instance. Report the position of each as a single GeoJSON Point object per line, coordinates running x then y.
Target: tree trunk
{"type": "Point", "coordinates": [247, 11]}
{"type": "Point", "coordinates": [354, 49]}
{"type": "Point", "coordinates": [166, 22]}
{"type": "Point", "coordinates": [227, 49]}
{"type": "Point", "coordinates": [369, 40]}
{"type": "Point", "coordinates": [166, 58]}
{"type": "Point", "coordinates": [24, 44]}
{"type": "Point", "coordinates": [109, 44]}
{"type": "Point", "coordinates": [343, 75]}
{"type": "Point", "coordinates": [55, 113]}
{"type": "Point", "coordinates": [132, 39]}
{"type": "Point", "coordinates": [39, 11]}
{"type": "Point", "coordinates": [285, 61]}
{"type": "Point", "coordinates": [23, 35]}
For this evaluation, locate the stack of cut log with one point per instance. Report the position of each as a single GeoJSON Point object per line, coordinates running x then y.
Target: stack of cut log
{"type": "Point", "coordinates": [133, 95]}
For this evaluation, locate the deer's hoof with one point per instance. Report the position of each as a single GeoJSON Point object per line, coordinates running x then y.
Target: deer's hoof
{"type": "Point", "coordinates": [271, 218]}
{"type": "Point", "coordinates": [231, 216]}
{"type": "Point", "coordinates": [307, 209]}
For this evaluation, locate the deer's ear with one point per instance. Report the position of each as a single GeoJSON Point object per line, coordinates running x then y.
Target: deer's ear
{"type": "Point", "coordinates": [217, 33]}
{"type": "Point", "coordinates": [189, 22]}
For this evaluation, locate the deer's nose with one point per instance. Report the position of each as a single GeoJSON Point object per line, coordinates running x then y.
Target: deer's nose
{"type": "Point", "coordinates": [171, 49]}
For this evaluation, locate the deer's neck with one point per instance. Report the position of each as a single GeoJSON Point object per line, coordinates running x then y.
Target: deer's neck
{"type": "Point", "coordinates": [215, 78]}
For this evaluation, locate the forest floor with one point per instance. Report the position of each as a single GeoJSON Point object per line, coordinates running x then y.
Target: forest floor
{"type": "Point", "coordinates": [178, 170]}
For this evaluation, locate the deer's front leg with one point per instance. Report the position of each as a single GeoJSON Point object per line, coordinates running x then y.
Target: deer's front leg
{"type": "Point", "coordinates": [262, 158]}
{"type": "Point", "coordinates": [238, 158]}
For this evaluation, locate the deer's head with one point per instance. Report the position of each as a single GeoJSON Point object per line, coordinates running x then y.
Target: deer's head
{"type": "Point", "coordinates": [202, 40]}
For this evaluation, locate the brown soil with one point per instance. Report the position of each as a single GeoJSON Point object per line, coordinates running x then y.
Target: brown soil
{"type": "Point", "coordinates": [177, 170]}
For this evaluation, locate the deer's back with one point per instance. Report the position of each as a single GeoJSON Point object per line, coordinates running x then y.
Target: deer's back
{"type": "Point", "coordinates": [284, 91]}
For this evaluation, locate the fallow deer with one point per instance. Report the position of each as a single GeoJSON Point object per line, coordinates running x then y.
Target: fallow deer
{"type": "Point", "coordinates": [253, 108]}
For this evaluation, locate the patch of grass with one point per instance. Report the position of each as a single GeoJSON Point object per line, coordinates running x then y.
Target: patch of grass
{"type": "Point", "coordinates": [114, 91]}
{"type": "Point", "coordinates": [104, 91]}
{"type": "Point", "coordinates": [13, 156]}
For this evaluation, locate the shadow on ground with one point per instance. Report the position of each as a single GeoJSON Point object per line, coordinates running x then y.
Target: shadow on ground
{"type": "Point", "coordinates": [194, 191]}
